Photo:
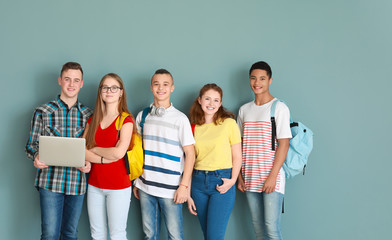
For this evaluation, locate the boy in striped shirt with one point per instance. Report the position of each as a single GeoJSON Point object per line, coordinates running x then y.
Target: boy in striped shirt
{"type": "Point", "coordinates": [164, 184]}
{"type": "Point", "coordinates": [262, 177]}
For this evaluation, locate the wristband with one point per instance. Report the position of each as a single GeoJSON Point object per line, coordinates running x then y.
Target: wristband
{"type": "Point", "coordinates": [101, 160]}
{"type": "Point", "coordinates": [184, 185]}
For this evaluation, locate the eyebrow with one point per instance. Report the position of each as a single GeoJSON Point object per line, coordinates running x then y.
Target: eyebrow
{"type": "Point", "coordinates": [156, 81]}
{"type": "Point", "coordinates": [212, 97]}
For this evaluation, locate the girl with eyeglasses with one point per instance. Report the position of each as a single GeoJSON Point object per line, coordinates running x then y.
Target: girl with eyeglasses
{"type": "Point", "coordinates": [109, 187]}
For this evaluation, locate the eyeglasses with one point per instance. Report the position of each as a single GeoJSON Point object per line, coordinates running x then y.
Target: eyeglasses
{"type": "Point", "coordinates": [113, 89]}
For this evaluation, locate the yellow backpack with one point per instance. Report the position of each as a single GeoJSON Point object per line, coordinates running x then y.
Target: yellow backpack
{"type": "Point", "coordinates": [134, 158]}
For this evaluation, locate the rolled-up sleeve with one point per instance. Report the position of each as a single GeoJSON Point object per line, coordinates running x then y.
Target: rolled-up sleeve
{"type": "Point", "coordinates": [35, 131]}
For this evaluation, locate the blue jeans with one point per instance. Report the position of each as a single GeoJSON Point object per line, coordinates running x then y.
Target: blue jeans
{"type": "Point", "coordinates": [266, 211]}
{"type": "Point", "coordinates": [60, 215]}
{"type": "Point", "coordinates": [213, 208]}
{"type": "Point", "coordinates": [108, 208]}
{"type": "Point", "coordinates": [152, 207]}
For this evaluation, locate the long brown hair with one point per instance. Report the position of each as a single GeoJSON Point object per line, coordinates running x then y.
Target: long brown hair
{"type": "Point", "coordinates": [100, 108]}
{"type": "Point", "coordinates": [197, 114]}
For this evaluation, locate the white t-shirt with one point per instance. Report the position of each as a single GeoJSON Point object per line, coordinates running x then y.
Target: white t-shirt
{"type": "Point", "coordinates": [163, 141]}
{"type": "Point", "coordinates": [257, 155]}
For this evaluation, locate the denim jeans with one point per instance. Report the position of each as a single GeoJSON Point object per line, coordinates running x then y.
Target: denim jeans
{"type": "Point", "coordinates": [152, 207]}
{"type": "Point", "coordinates": [213, 208]}
{"type": "Point", "coordinates": [266, 211]}
{"type": "Point", "coordinates": [60, 215]}
{"type": "Point", "coordinates": [108, 208]}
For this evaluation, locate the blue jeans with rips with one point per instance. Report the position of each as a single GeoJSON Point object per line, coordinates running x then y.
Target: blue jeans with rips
{"type": "Point", "coordinates": [60, 215]}
{"type": "Point", "coordinates": [213, 208]}
{"type": "Point", "coordinates": [152, 207]}
{"type": "Point", "coordinates": [266, 211]}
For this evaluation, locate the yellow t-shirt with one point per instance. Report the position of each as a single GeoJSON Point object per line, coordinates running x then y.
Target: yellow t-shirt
{"type": "Point", "coordinates": [213, 144]}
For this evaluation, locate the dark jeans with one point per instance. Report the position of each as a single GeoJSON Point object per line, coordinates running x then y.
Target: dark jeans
{"type": "Point", "coordinates": [213, 208]}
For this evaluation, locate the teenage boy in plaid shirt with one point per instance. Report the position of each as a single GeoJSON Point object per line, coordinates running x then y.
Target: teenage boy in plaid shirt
{"type": "Point", "coordinates": [61, 189]}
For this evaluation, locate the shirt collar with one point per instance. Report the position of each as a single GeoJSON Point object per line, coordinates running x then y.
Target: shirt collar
{"type": "Point", "coordinates": [63, 104]}
{"type": "Point", "coordinates": [169, 108]}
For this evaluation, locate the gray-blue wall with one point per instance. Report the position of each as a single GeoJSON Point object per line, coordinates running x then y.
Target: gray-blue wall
{"type": "Point", "coordinates": [331, 63]}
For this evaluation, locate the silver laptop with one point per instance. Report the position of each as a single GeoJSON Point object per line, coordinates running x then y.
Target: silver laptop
{"type": "Point", "coordinates": [62, 151]}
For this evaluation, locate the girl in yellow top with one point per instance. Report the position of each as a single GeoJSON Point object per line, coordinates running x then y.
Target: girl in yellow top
{"type": "Point", "coordinates": [218, 162]}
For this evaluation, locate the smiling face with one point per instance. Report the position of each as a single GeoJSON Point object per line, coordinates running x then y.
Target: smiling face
{"type": "Point", "coordinates": [161, 87]}
{"type": "Point", "coordinates": [210, 102]}
{"type": "Point", "coordinates": [111, 91]}
{"type": "Point", "coordinates": [259, 81]}
{"type": "Point", "coordinates": [71, 81]}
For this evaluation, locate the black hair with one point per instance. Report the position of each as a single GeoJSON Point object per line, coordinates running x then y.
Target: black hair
{"type": "Point", "coordinates": [262, 66]}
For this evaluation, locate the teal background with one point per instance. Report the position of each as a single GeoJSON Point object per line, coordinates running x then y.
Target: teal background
{"type": "Point", "coordinates": [331, 63]}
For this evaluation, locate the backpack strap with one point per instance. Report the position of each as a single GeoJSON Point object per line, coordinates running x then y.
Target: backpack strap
{"type": "Point", "coordinates": [193, 128]}
{"type": "Point", "coordinates": [120, 122]}
{"type": "Point", "coordinates": [146, 111]}
{"type": "Point", "coordinates": [273, 123]}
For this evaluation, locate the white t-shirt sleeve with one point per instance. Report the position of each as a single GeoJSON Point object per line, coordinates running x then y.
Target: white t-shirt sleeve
{"type": "Point", "coordinates": [240, 121]}
{"type": "Point", "coordinates": [282, 117]}
{"type": "Point", "coordinates": [185, 133]}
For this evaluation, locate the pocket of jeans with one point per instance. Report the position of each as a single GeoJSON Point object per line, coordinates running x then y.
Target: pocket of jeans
{"type": "Point", "coordinates": [218, 179]}
{"type": "Point", "coordinates": [224, 175]}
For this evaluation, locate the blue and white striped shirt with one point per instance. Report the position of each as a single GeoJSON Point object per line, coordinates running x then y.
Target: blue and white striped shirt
{"type": "Point", "coordinates": [163, 141]}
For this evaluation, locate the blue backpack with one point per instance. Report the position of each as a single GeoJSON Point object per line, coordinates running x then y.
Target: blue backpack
{"type": "Point", "coordinates": [300, 145]}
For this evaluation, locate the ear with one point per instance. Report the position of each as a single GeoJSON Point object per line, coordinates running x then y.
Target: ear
{"type": "Point", "coordinates": [59, 80]}
{"type": "Point", "coordinates": [172, 88]}
{"type": "Point", "coordinates": [270, 81]}
{"type": "Point", "coordinates": [81, 84]}
{"type": "Point", "coordinates": [199, 100]}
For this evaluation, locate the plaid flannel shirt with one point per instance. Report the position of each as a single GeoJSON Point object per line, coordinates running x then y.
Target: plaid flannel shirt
{"type": "Point", "coordinates": [56, 119]}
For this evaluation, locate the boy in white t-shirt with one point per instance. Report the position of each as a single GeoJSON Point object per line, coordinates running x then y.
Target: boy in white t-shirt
{"type": "Point", "coordinates": [164, 184]}
{"type": "Point", "coordinates": [262, 176]}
